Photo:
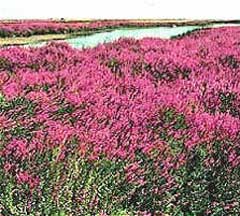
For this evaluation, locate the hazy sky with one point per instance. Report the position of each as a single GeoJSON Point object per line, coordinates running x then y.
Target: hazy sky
{"type": "Point", "coordinates": [12, 9]}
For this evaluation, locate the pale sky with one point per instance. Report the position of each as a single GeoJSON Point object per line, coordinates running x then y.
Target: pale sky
{"type": "Point", "coordinates": [115, 9]}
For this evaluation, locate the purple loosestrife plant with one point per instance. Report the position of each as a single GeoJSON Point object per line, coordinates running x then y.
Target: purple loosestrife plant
{"type": "Point", "coordinates": [145, 126]}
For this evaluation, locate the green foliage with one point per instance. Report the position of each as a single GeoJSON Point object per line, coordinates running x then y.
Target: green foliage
{"type": "Point", "coordinates": [147, 196]}
{"type": "Point", "coordinates": [206, 189]}
{"type": "Point", "coordinates": [2, 100]}
{"type": "Point", "coordinates": [230, 61]}
{"type": "Point", "coordinates": [167, 119]}
{"type": "Point", "coordinates": [226, 99]}
{"type": "Point", "coordinates": [115, 67]}
{"type": "Point", "coordinates": [70, 186]}
{"type": "Point", "coordinates": [177, 121]}
{"type": "Point", "coordinates": [228, 103]}
{"type": "Point", "coordinates": [17, 107]}
{"type": "Point", "coordinates": [5, 64]}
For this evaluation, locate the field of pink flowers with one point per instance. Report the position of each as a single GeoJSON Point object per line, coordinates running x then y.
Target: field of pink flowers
{"type": "Point", "coordinates": [133, 127]}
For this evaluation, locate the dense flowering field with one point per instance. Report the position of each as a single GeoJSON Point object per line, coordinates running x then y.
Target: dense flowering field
{"type": "Point", "coordinates": [27, 28]}
{"type": "Point", "coordinates": [134, 127]}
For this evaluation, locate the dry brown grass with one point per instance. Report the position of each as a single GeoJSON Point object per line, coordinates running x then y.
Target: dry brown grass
{"type": "Point", "coordinates": [32, 39]}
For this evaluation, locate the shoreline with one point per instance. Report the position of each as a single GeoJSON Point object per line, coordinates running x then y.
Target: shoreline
{"type": "Point", "coordinates": [14, 41]}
